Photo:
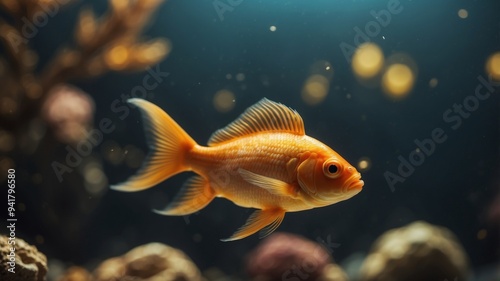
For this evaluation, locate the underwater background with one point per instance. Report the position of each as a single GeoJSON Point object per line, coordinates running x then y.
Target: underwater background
{"type": "Point", "coordinates": [418, 114]}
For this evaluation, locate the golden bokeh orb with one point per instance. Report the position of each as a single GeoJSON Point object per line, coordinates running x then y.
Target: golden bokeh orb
{"type": "Point", "coordinates": [224, 100]}
{"type": "Point", "coordinates": [315, 89]}
{"type": "Point", "coordinates": [433, 82]}
{"type": "Point", "coordinates": [117, 57]}
{"type": "Point", "coordinates": [398, 80]}
{"type": "Point", "coordinates": [364, 164]}
{"type": "Point", "coordinates": [493, 66]}
{"type": "Point", "coordinates": [463, 13]}
{"type": "Point", "coordinates": [367, 61]}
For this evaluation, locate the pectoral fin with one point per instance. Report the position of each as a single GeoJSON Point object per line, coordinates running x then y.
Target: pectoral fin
{"type": "Point", "coordinates": [195, 194]}
{"type": "Point", "coordinates": [267, 220]}
{"type": "Point", "coordinates": [274, 186]}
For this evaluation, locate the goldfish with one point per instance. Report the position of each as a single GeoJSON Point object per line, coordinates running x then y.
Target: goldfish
{"type": "Point", "coordinates": [262, 160]}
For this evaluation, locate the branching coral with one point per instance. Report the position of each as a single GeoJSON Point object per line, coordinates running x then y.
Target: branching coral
{"type": "Point", "coordinates": [40, 109]}
{"type": "Point", "coordinates": [108, 43]}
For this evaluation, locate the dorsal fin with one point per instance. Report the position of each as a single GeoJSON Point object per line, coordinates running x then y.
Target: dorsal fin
{"type": "Point", "coordinates": [263, 116]}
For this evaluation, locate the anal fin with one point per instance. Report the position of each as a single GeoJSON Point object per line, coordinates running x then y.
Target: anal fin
{"type": "Point", "coordinates": [266, 220]}
{"type": "Point", "coordinates": [195, 194]}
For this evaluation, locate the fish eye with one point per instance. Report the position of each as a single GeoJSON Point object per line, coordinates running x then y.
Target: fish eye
{"type": "Point", "coordinates": [332, 168]}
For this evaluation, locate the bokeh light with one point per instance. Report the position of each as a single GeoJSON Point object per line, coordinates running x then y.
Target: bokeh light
{"type": "Point", "coordinates": [315, 89]}
{"type": "Point", "coordinates": [134, 157]}
{"type": "Point", "coordinates": [117, 57]}
{"type": "Point", "coordinates": [240, 77]}
{"type": "Point", "coordinates": [148, 53]}
{"type": "Point", "coordinates": [364, 164]}
{"type": "Point", "coordinates": [272, 28]}
{"type": "Point", "coordinates": [112, 152]}
{"type": "Point", "coordinates": [493, 66]}
{"type": "Point", "coordinates": [6, 163]}
{"type": "Point", "coordinates": [7, 141]}
{"type": "Point", "coordinates": [481, 234]}
{"type": "Point", "coordinates": [224, 100]}
{"type": "Point", "coordinates": [8, 106]}
{"type": "Point", "coordinates": [398, 80]}
{"type": "Point", "coordinates": [463, 13]}
{"type": "Point", "coordinates": [367, 61]}
{"type": "Point", "coordinates": [433, 83]}
{"type": "Point", "coordinates": [95, 179]}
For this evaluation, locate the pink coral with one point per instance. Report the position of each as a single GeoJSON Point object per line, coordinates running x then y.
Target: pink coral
{"type": "Point", "coordinates": [283, 256]}
{"type": "Point", "coordinates": [68, 110]}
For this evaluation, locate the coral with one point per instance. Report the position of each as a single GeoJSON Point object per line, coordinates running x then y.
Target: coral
{"type": "Point", "coordinates": [69, 112]}
{"type": "Point", "coordinates": [153, 261]}
{"type": "Point", "coordinates": [109, 43]}
{"type": "Point", "coordinates": [287, 256]}
{"type": "Point", "coordinates": [41, 108]}
{"type": "Point", "coordinates": [419, 251]}
{"type": "Point", "coordinates": [29, 265]}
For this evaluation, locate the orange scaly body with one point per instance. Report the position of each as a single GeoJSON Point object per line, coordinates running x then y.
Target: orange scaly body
{"type": "Point", "coordinates": [262, 160]}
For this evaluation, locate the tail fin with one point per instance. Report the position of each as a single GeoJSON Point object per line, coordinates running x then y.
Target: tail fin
{"type": "Point", "coordinates": [168, 144]}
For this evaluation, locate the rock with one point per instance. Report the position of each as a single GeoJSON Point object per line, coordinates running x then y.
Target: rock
{"type": "Point", "coordinates": [285, 256]}
{"type": "Point", "coordinates": [419, 251]}
{"type": "Point", "coordinates": [30, 264]}
{"type": "Point", "coordinates": [150, 262]}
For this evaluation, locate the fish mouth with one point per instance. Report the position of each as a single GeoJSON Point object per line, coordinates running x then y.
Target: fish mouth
{"type": "Point", "coordinates": [355, 183]}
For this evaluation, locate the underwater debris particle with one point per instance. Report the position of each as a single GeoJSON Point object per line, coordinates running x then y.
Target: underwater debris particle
{"type": "Point", "coordinates": [315, 89]}
{"type": "Point", "coordinates": [117, 57]}
{"type": "Point", "coordinates": [322, 67]}
{"type": "Point", "coordinates": [224, 100]}
{"type": "Point", "coordinates": [463, 13]}
{"type": "Point", "coordinates": [433, 83]}
{"type": "Point", "coordinates": [272, 28]}
{"type": "Point", "coordinates": [229, 76]}
{"type": "Point", "coordinates": [398, 80]}
{"type": "Point", "coordinates": [493, 66]}
{"type": "Point", "coordinates": [367, 61]}
{"type": "Point", "coordinates": [481, 234]}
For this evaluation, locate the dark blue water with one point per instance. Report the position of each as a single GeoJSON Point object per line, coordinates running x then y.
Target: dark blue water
{"type": "Point", "coordinates": [453, 185]}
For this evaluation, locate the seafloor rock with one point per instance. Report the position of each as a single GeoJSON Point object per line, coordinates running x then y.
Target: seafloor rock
{"type": "Point", "coordinates": [289, 257]}
{"type": "Point", "coordinates": [419, 251]}
{"type": "Point", "coordinates": [30, 264]}
{"type": "Point", "coordinates": [150, 262]}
